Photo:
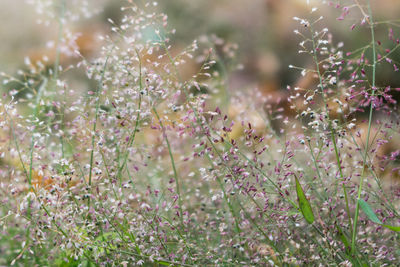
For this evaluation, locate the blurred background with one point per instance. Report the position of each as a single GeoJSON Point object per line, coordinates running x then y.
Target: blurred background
{"type": "Point", "coordinates": [260, 32]}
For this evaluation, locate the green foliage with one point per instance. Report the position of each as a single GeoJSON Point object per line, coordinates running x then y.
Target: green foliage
{"type": "Point", "coordinates": [305, 206]}
{"type": "Point", "coordinates": [372, 216]}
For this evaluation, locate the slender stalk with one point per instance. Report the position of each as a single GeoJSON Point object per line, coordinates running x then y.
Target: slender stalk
{"type": "Point", "coordinates": [60, 34]}
{"type": "Point", "coordinates": [317, 170]}
{"type": "Point", "coordinates": [159, 261]}
{"type": "Point", "coordinates": [14, 137]}
{"type": "Point", "coordinates": [180, 235]}
{"type": "Point", "coordinates": [56, 67]}
{"type": "Point", "coordinates": [100, 86]}
{"type": "Point", "coordinates": [315, 162]}
{"type": "Point", "coordinates": [267, 239]}
{"type": "Point", "coordinates": [321, 85]}
{"type": "Point", "coordinates": [35, 117]}
{"type": "Point", "coordinates": [133, 134]}
{"type": "Point", "coordinates": [172, 163]}
{"type": "Point", "coordinates": [371, 108]}
{"type": "Point", "coordinates": [378, 182]}
{"type": "Point", "coordinates": [346, 198]}
{"type": "Point", "coordinates": [227, 200]}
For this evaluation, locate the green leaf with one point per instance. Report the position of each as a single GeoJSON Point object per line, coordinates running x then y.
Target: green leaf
{"type": "Point", "coordinates": [164, 263]}
{"type": "Point", "coordinates": [372, 216]}
{"type": "Point", "coordinates": [393, 228]}
{"type": "Point", "coordinates": [304, 204]}
{"type": "Point", "coordinates": [368, 211]}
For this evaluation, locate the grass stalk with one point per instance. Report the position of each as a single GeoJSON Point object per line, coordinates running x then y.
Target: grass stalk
{"type": "Point", "coordinates": [100, 86]}
{"type": "Point", "coordinates": [178, 192]}
{"type": "Point", "coordinates": [99, 89]}
{"type": "Point", "coordinates": [371, 108]}
{"type": "Point", "coordinates": [321, 85]}
{"type": "Point", "coordinates": [135, 130]}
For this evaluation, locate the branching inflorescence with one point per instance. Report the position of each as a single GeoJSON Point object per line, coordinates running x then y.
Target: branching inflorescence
{"type": "Point", "coordinates": [150, 165]}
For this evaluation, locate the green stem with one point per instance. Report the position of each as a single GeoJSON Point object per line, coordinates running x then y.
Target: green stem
{"type": "Point", "coordinates": [61, 12]}
{"type": "Point", "coordinates": [17, 145]}
{"type": "Point", "coordinates": [371, 108]}
{"type": "Point", "coordinates": [60, 34]}
{"type": "Point", "coordinates": [35, 117]}
{"type": "Point", "coordinates": [100, 86]}
{"type": "Point", "coordinates": [172, 163]}
{"type": "Point", "coordinates": [227, 200]}
{"type": "Point", "coordinates": [342, 177]}
{"type": "Point", "coordinates": [321, 85]}
{"type": "Point", "coordinates": [133, 135]}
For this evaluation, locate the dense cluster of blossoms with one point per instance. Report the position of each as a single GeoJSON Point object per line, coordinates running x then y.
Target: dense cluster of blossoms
{"type": "Point", "coordinates": [147, 163]}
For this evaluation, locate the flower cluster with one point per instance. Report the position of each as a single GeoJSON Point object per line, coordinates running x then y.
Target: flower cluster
{"type": "Point", "coordinates": [149, 158]}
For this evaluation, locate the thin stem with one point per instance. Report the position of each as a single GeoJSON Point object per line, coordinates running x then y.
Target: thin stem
{"type": "Point", "coordinates": [133, 134]}
{"type": "Point", "coordinates": [228, 203]}
{"type": "Point", "coordinates": [60, 34]}
{"type": "Point", "coordinates": [56, 67]}
{"type": "Point", "coordinates": [172, 163]}
{"type": "Point", "coordinates": [100, 86]}
{"type": "Point", "coordinates": [371, 108]}
{"type": "Point", "coordinates": [316, 169]}
{"type": "Point", "coordinates": [35, 117]}
{"type": "Point", "coordinates": [17, 145]}
{"type": "Point", "coordinates": [321, 85]}
{"type": "Point", "coordinates": [315, 162]}
{"type": "Point", "coordinates": [342, 177]}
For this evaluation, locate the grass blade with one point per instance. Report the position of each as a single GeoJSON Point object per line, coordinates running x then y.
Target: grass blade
{"type": "Point", "coordinates": [368, 211]}
{"type": "Point", "coordinates": [372, 216]}
{"type": "Point", "coordinates": [304, 204]}
{"type": "Point", "coordinates": [393, 228]}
